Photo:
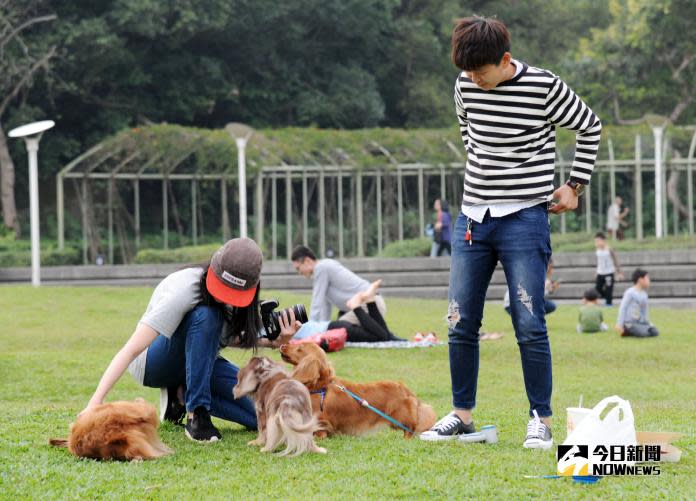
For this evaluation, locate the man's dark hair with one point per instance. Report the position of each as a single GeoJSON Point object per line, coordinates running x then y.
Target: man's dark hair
{"type": "Point", "coordinates": [478, 41]}
{"type": "Point", "coordinates": [301, 252]}
{"type": "Point", "coordinates": [601, 235]}
{"type": "Point", "coordinates": [638, 273]}
{"type": "Point", "coordinates": [591, 295]}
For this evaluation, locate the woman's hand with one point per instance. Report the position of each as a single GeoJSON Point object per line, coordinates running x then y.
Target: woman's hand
{"type": "Point", "coordinates": [90, 405]}
{"type": "Point", "coordinates": [288, 327]}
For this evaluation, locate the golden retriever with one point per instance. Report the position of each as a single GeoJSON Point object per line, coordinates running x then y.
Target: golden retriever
{"type": "Point", "coordinates": [338, 412]}
{"type": "Point", "coordinates": [123, 431]}
{"type": "Point", "coordinates": [283, 407]}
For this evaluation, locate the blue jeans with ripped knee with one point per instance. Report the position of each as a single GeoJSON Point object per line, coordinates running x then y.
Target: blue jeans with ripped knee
{"type": "Point", "coordinates": [521, 242]}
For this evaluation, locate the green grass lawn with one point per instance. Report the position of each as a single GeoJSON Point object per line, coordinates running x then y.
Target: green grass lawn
{"type": "Point", "coordinates": [55, 343]}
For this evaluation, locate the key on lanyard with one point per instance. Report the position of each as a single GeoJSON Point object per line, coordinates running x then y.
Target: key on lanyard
{"type": "Point", "coordinates": [467, 236]}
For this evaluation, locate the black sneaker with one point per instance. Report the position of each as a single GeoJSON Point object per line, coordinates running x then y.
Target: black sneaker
{"type": "Point", "coordinates": [448, 428]}
{"type": "Point", "coordinates": [538, 434]}
{"type": "Point", "coordinates": [170, 408]}
{"type": "Point", "coordinates": [200, 428]}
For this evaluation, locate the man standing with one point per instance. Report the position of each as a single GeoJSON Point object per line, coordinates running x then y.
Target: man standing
{"type": "Point", "coordinates": [507, 113]}
{"type": "Point", "coordinates": [332, 285]}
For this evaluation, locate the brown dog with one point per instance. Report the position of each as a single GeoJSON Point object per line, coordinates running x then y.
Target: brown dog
{"type": "Point", "coordinates": [338, 412]}
{"type": "Point", "coordinates": [123, 431]}
{"type": "Point", "coordinates": [283, 407]}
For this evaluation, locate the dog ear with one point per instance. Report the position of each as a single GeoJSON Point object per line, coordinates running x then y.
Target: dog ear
{"type": "Point", "coordinates": [263, 365]}
{"type": "Point", "coordinates": [326, 374]}
{"type": "Point", "coordinates": [308, 372]}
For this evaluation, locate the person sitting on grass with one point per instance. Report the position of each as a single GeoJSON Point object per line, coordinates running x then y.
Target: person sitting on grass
{"type": "Point", "coordinates": [371, 329]}
{"type": "Point", "coordinates": [332, 285]}
{"type": "Point", "coordinates": [633, 312]}
{"type": "Point", "coordinates": [591, 318]}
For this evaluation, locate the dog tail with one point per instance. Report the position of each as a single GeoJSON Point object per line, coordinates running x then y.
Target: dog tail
{"type": "Point", "coordinates": [58, 442]}
{"type": "Point", "coordinates": [297, 432]}
{"type": "Point", "coordinates": [426, 417]}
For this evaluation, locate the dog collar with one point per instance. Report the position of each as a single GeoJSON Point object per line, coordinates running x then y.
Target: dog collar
{"type": "Point", "coordinates": [321, 392]}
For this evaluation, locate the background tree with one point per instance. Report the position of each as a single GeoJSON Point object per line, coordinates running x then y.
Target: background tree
{"type": "Point", "coordinates": [643, 62]}
{"type": "Point", "coordinates": [21, 58]}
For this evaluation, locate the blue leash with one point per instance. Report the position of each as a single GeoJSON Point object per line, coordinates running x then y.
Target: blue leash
{"type": "Point", "coordinates": [365, 403]}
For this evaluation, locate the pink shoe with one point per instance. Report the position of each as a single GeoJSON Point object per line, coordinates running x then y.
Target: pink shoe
{"type": "Point", "coordinates": [418, 337]}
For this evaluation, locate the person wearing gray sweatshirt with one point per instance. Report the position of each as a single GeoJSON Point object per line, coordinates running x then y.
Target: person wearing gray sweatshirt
{"type": "Point", "coordinates": [332, 285]}
{"type": "Point", "coordinates": [633, 312]}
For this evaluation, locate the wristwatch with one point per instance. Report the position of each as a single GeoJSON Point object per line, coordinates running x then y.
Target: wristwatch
{"type": "Point", "coordinates": [578, 188]}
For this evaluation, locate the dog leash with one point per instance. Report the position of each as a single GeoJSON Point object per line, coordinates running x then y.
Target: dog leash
{"type": "Point", "coordinates": [365, 403]}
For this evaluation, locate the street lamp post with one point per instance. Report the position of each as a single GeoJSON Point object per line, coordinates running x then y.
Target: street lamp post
{"type": "Point", "coordinates": [658, 132]}
{"type": "Point", "coordinates": [658, 124]}
{"type": "Point", "coordinates": [241, 134]}
{"type": "Point", "coordinates": [32, 135]}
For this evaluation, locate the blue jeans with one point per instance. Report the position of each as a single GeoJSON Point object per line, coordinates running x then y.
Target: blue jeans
{"type": "Point", "coordinates": [521, 242]}
{"type": "Point", "coordinates": [191, 358]}
{"type": "Point", "coordinates": [549, 307]}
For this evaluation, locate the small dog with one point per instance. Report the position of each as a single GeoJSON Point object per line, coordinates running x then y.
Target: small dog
{"type": "Point", "coordinates": [338, 412]}
{"type": "Point", "coordinates": [283, 408]}
{"type": "Point", "coordinates": [123, 431]}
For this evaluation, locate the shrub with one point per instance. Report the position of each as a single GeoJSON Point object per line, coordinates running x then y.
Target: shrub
{"type": "Point", "coordinates": [49, 257]}
{"type": "Point", "coordinates": [407, 248]}
{"type": "Point", "coordinates": [190, 254]}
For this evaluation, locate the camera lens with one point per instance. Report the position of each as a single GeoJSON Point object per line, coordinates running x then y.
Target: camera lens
{"type": "Point", "coordinates": [271, 319]}
{"type": "Point", "coordinates": [300, 313]}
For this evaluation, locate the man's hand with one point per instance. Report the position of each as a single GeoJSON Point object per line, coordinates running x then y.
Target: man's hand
{"type": "Point", "coordinates": [618, 328]}
{"type": "Point", "coordinates": [565, 198]}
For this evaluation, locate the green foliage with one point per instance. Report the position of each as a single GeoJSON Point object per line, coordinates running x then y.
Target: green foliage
{"type": "Point", "coordinates": [213, 150]}
{"type": "Point", "coordinates": [58, 341]}
{"type": "Point", "coordinates": [642, 62]}
{"type": "Point", "coordinates": [578, 242]}
{"type": "Point", "coordinates": [407, 248]}
{"type": "Point", "coordinates": [49, 257]}
{"type": "Point", "coordinates": [188, 254]}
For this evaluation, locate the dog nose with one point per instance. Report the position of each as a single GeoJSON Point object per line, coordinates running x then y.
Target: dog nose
{"type": "Point", "coordinates": [282, 347]}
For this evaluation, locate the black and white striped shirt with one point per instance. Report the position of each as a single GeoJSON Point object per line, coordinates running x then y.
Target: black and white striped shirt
{"type": "Point", "coordinates": [510, 135]}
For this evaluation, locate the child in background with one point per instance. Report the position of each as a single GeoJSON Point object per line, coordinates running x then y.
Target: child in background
{"type": "Point", "coordinates": [591, 318]}
{"type": "Point", "coordinates": [607, 265]}
{"type": "Point", "coordinates": [633, 312]}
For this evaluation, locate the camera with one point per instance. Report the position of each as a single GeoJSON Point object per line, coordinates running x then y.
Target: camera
{"type": "Point", "coordinates": [271, 318]}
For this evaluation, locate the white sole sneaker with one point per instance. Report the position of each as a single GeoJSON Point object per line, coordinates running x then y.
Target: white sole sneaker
{"type": "Point", "coordinates": [536, 443]}
{"type": "Point", "coordinates": [212, 439]}
{"type": "Point", "coordinates": [434, 437]}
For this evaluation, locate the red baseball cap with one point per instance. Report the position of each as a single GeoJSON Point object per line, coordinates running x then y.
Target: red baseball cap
{"type": "Point", "coordinates": [235, 271]}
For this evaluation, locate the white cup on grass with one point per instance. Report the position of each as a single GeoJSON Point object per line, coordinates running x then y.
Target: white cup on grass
{"type": "Point", "coordinates": [574, 416]}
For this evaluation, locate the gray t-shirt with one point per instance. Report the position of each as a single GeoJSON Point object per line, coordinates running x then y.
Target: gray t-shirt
{"type": "Point", "coordinates": [333, 284]}
{"type": "Point", "coordinates": [172, 299]}
{"type": "Point", "coordinates": [634, 307]}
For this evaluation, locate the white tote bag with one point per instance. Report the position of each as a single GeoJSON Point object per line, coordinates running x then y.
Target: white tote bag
{"type": "Point", "coordinates": [606, 428]}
